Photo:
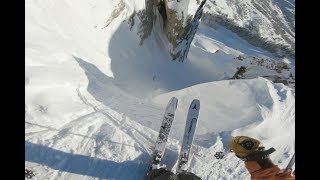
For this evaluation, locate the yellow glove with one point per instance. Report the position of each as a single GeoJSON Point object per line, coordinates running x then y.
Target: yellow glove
{"type": "Point", "coordinates": [244, 146]}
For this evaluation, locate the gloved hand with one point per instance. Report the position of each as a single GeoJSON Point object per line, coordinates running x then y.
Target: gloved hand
{"type": "Point", "coordinates": [244, 146]}
{"type": "Point", "coordinates": [250, 149]}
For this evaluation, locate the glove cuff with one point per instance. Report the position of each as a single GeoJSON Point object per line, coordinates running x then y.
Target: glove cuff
{"type": "Point", "coordinates": [258, 155]}
{"type": "Point", "coordinates": [254, 166]}
{"type": "Point", "coordinates": [260, 158]}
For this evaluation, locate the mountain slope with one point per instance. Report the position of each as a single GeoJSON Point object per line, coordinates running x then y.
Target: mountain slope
{"type": "Point", "coordinates": [272, 19]}
{"type": "Point", "coordinates": [95, 97]}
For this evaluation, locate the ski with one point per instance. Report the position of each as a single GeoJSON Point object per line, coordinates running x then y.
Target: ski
{"type": "Point", "coordinates": [191, 123]}
{"type": "Point", "coordinates": [291, 162]}
{"type": "Point", "coordinates": [164, 131]}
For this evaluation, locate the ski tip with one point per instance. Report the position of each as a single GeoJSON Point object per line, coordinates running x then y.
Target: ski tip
{"type": "Point", "coordinates": [195, 104]}
{"type": "Point", "coordinates": [174, 101]}
{"type": "Point", "coordinates": [196, 101]}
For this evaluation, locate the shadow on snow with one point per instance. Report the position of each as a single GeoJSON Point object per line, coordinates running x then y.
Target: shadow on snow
{"type": "Point", "coordinates": [85, 165]}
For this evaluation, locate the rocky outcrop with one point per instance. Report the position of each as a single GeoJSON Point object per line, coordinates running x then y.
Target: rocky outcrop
{"type": "Point", "coordinates": [178, 26]}
{"type": "Point", "coordinates": [116, 12]}
{"type": "Point", "coordinates": [276, 71]}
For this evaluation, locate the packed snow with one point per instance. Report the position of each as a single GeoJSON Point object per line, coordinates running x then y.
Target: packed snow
{"type": "Point", "coordinates": [95, 98]}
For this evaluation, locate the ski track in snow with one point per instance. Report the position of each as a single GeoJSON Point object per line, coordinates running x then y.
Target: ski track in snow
{"type": "Point", "coordinates": [95, 98]}
{"type": "Point", "coordinates": [105, 135]}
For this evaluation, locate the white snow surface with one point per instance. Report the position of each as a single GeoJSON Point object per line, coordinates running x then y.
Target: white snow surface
{"type": "Point", "coordinates": [95, 98]}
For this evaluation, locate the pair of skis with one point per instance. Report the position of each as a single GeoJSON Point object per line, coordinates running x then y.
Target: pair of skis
{"type": "Point", "coordinates": [160, 145]}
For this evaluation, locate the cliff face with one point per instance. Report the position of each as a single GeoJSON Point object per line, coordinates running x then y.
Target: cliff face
{"type": "Point", "coordinates": [181, 51]}
{"type": "Point", "coordinates": [180, 23]}
{"type": "Point", "coordinates": [174, 26]}
{"type": "Point", "coordinates": [268, 25]}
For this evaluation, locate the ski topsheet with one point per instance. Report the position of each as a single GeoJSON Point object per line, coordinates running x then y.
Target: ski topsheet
{"type": "Point", "coordinates": [164, 131]}
{"type": "Point", "coordinates": [189, 131]}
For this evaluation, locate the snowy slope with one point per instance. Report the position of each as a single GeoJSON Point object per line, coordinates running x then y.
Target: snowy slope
{"type": "Point", "coordinates": [95, 98]}
{"type": "Point", "coordinates": [274, 19]}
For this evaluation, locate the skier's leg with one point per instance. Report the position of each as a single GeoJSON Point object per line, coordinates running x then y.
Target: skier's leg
{"type": "Point", "coordinates": [161, 174]}
{"type": "Point", "coordinates": [188, 176]}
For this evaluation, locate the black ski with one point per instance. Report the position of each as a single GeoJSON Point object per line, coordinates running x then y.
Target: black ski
{"type": "Point", "coordinates": [164, 131]}
{"type": "Point", "coordinates": [189, 132]}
